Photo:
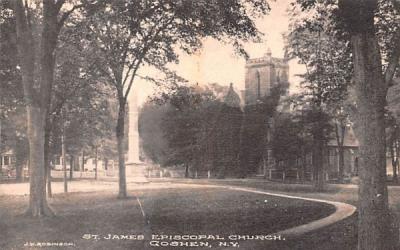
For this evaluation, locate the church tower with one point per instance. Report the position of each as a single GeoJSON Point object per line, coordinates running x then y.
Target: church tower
{"type": "Point", "coordinates": [262, 77]}
{"type": "Point", "coordinates": [262, 74]}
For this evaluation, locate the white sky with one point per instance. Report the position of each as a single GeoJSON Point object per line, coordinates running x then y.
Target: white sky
{"type": "Point", "coordinates": [218, 63]}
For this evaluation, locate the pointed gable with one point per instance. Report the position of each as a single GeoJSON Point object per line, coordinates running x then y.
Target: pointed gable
{"type": "Point", "coordinates": [231, 98]}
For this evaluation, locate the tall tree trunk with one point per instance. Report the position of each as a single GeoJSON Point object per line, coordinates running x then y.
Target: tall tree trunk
{"type": "Point", "coordinates": [18, 171]}
{"type": "Point", "coordinates": [318, 164]}
{"type": "Point", "coordinates": [186, 170]}
{"type": "Point", "coordinates": [318, 155]}
{"type": "Point", "coordinates": [95, 168]}
{"type": "Point", "coordinates": [105, 164]}
{"type": "Point", "coordinates": [221, 171]}
{"type": "Point", "coordinates": [47, 162]}
{"type": "Point", "coordinates": [374, 230]}
{"type": "Point", "coordinates": [374, 214]}
{"type": "Point", "coordinates": [302, 167]}
{"type": "Point", "coordinates": [36, 97]}
{"type": "Point", "coordinates": [397, 151]}
{"type": "Point", "coordinates": [120, 132]}
{"type": "Point", "coordinates": [19, 160]}
{"type": "Point", "coordinates": [83, 161]}
{"type": "Point", "coordinates": [393, 156]}
{"type": "Point", "coordinates": [341, 164]}
{"type": "Point", "coordinates": [1, 145]}
{"type": "Point", "coordinates": [37, 193]}
{"type": "Point", "coordinates": [340, 143]}
{"type": "Point", "coordinates": [71, 167]}
{"type": "Point", "coordinates": [64, 158]}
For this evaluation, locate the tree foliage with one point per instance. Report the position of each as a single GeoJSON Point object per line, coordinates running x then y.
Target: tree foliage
{"type": "Point", "coordinates": [130, 34]}
{"type": "Point", "coordinates": [323, 47]}
{"type": "Point", "coordinates": [372, 29]}
{"type": "Point", "coordinates": [10, 76]}
{"type": "Point", "coordinates": [197, 127]}
{"type": "Point", "coordinates": [154, 144]}
{"type": "Point", "coordinates": [184, 125]}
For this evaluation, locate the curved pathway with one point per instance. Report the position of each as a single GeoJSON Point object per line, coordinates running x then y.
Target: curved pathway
{"type": "Point", "coordinates": [343, 210]}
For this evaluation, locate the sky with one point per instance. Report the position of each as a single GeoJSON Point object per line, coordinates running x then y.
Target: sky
{"type": "Point", "coordinates": [217, 62]}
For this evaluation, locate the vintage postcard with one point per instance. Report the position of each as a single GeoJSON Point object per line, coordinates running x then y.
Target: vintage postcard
{"type": "Point", "coordinates": [199, 124]}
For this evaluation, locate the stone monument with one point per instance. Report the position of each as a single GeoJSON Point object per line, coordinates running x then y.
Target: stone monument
{"type": "Point", "coordinates": [135, 168]}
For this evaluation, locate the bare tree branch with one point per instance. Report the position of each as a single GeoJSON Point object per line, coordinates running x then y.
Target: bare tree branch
{"type": "Point", "coordinates": [145, 48]}
{"type": "Point", "coordinates": [65, 15]}
{"type": "Point", "coordinates": [58, 5]}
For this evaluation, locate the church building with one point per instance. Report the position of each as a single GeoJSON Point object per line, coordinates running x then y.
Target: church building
{"type": "Point", "coordinates": [262, 74]}
{"type": "Point", "coordinates": [266, 80]}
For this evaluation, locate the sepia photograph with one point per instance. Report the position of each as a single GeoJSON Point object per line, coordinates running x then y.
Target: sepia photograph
{"type": "Point", "coordinates": [200, 124]}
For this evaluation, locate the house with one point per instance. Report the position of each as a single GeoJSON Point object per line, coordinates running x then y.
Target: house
{"type": "Point", "coordinates": [57, 163]}
{"type": "Point", "coordinates": [350, 155]}
{"type": "Point", "coordinates": [88, 165]}
{"type": "Point", "coordinates": [7, 161]}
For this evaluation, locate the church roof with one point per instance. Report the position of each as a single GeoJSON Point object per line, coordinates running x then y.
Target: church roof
{"type": "Point", "coordinates": [267, 59]}
{"type": "Point", "coordinates": [232, 98]}
{"type": "Point", "coordinates": [7, 152]}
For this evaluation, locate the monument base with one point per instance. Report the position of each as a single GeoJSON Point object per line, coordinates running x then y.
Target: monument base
{"type": "Point", "coordinates": [135, 172]}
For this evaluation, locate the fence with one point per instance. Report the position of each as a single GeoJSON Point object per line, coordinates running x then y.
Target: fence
{"type": "Point", "coordinates": [288, 175]}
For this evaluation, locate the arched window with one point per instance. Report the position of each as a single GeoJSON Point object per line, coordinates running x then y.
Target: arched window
{"type": "Point", "coordinates": [258, 84]}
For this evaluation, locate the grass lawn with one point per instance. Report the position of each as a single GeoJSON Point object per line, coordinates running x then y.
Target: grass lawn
{"type": "Point", "coordinates": [168, 211]}
{"type": "Point", "coordinates": [342, 235]}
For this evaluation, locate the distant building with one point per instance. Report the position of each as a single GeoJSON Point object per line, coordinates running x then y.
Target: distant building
{"type": "Point", "coordinates": [9, 165]}
{"type": "Point", "coordinates": [350, 148]}
{"type": "Point", "coordinates": [88, 164]}
{"type": "Point", "coordinates": [7, 160]}
{"type": "Point", "coordinates": [266, 80]}
{"type": "Point", "coordinates": [262, 74]}
{"type": "Point", "coordinates": [231, 98]}
{"type": "Point", "coordinates": [331, 158]}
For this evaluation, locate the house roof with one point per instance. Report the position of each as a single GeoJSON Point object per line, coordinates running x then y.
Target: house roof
{"type": "Point", "coordinates": [7, 152]}
{"type": "Point", "coordinates": [232, 98]}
